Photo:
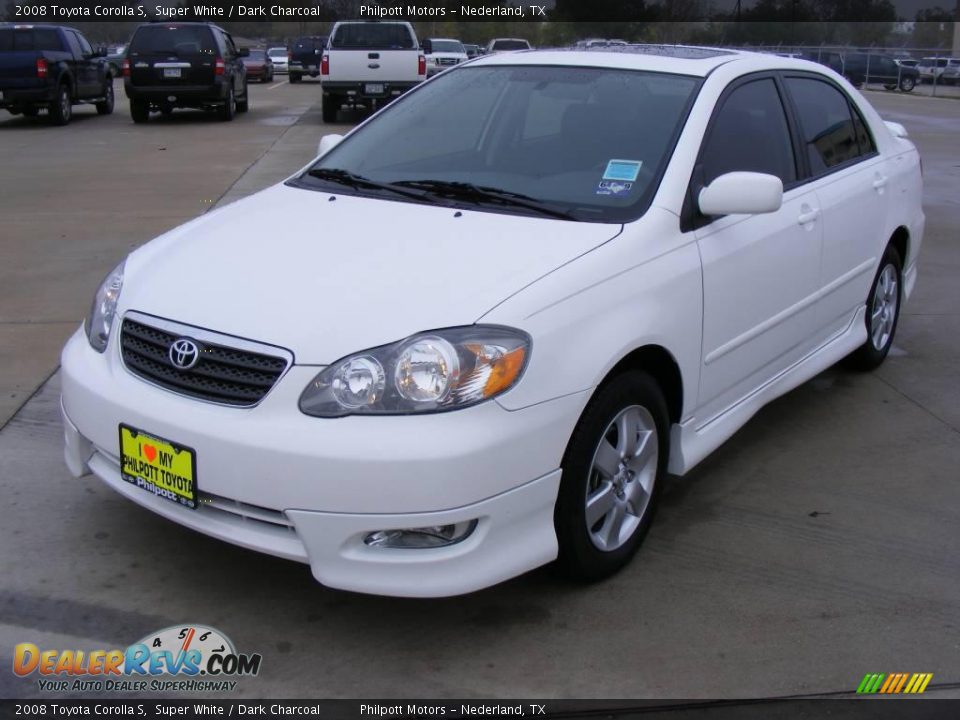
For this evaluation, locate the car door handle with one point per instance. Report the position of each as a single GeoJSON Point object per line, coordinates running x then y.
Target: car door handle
{"type": "Point", "coordinates": [880, 183]}
{"type": "Point", "coordinates": [808, 217]}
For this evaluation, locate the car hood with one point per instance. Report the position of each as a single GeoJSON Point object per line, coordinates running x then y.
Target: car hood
{"type": "Point", "coordinates": [328, 275]}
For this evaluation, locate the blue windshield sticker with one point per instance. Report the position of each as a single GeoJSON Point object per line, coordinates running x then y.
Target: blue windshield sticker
{"type": "Point", "coordinates": [613, 187]}
{"type": "Point", "coordinates": [622, 170]}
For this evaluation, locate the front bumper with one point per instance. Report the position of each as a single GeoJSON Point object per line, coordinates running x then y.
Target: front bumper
{"type": "Point", "coordinates": [310, 489]}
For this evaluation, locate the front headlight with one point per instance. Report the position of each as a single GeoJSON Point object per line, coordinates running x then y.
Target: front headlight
{"type": "Point", "coordinates": [100, 320]}
{"type": "Point", "coordinates": [429, 372]}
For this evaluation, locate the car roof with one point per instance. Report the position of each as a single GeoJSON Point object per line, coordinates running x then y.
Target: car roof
{"type": "Point", "coordinates": [679, 59]}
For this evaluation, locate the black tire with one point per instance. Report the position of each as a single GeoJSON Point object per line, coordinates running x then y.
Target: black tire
{"type": "Point", "coordinates": [907, 84]}
{"type": "Point", "coordinates": [294, 78]}
{"type": "Point", "coordinates": [331, 106]}
{"type": "Point", "coordinates": [140, 111]}
{"type": "Point", "coordinates": [579, 557]}
{"type": "Point", "coordinates": [874, 351]}
{"type": "Point", "coordinates": [61, 109]}
{"type": "Point", "coordinates": [229, 108]}
{"type": "Point", "coordinates": [244, 104]}
{"type": "Point", "coordinates": [30, 111]}
{"type": "Point", "coordinates": [105, 106]}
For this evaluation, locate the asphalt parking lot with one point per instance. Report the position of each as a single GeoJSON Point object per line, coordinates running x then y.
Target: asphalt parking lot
{"type": "Point", "coordinates": [819, 544]}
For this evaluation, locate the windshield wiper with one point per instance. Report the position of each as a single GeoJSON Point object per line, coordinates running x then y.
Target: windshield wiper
{"type": "Point", "coordinates": [455, 190]}
{"type": "Point", "coordinates": [345, 177]}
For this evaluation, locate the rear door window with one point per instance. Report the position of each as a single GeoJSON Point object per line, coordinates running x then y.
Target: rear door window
{"type": "Point", "coordinates": [827, 126]}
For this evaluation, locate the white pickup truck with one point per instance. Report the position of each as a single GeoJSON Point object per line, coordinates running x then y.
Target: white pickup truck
{"type": "Point", "coordinates": [369, 62]}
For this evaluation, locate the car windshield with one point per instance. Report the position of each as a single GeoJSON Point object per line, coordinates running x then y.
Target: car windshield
{"type": "Point", "coordinates": [511, 45]}
{"type": "Point", "coordinates": [173, 40]}
{"type": "Point", "coordinates": [590, 143]}
{"type": "Point", "coordinates": [447, 46]}
{"type": "Point", "coordinates": [277, 52]}
{"type": "Point", "coordinates": [257, 55]}
{"type": "Point", "coordinates": [359, 36]}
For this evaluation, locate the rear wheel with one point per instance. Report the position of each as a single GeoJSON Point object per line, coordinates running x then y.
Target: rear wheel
{"type": "Point", "coordinates": [62, 107]}
{"type": "Point", "coordinates": [612, 473]}
{"type": "Point", "coordinates": [294, 78]}
{"type": "Point", "coordinates": [883, 312]}
{"type": "Point", "coordinates": [244, 104]}
{"type": "Point", "coordinates": [907, 84]}
{"type": "Point", "coordinates": [105, 106]}
{"type": "Point", "coordinates": [331, 106]}
{"type": "Point", "coordinates": [229, 107]}
{"type": "Point", "coordinates": [139, 111]}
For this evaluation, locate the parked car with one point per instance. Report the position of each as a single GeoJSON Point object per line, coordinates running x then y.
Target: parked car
{"type": "Point", "coordinates": [305, 57]}
{"type": "Point", "coordinates": [442, 53]}
{"type": "Point", "coordinates": [184, 65]}
{"type": "Point", "coordinates": [951, 75]}
{"type": "Point", "coordinates": [54, 68]}
{"type": "Point", "coordinates": [859, 68]}
{"type": "Point", "coordinates": [115, 55]}
{"type": "Point", "coordinates": [543, 283]}
{"type": "Point", "coordinates": [473, 50]}
{"type": "Point", "coordinates": [832, 60]}
{"type": "Point", "coordinates": [933, 67]}
{"type": "Point", "coordinates": [507, 45]}
{"type": "Point", "coordinates": [369, 62]}
{"type": "Point", "coordinates": [280, 57]}
{"type": "Point", "coordinates": [259, 66]}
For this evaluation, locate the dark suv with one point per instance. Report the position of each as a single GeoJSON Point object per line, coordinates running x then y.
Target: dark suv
{"type": "Point", "coordinates": [859, 68]}
{"type": "Point", "coordinates": [192, 65]}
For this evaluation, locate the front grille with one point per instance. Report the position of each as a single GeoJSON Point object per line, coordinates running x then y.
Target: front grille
{"type": "Point", "coordinates": [223, 374]}
{"type": "Point", "coordinates": [448, 61]}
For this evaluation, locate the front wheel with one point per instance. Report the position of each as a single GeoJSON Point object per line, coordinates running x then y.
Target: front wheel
{"type": "Point", "coordinates": [612, 473]}
{"type": "Point", "coordinates": [883, 312]}
{"type": "Point", "coordinates": [907, 84]}
{"type": "Point", "coordinates": [105, 106]}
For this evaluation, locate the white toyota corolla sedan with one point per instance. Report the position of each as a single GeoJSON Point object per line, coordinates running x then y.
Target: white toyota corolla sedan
{"type": "Point", "coordinates": [477, 333]}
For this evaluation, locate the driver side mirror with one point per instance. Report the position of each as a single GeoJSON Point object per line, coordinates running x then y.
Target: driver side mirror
{"type": "Point", "coordinates": [100, 52]}
{"type": "Point", "coordinates": [327, 143]}
{"type": "Point", "coordinates": [746, 193]}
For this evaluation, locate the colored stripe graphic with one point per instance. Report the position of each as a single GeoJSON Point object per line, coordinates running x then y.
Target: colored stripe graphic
{"type": "Point", "coordinates": [894, 683]}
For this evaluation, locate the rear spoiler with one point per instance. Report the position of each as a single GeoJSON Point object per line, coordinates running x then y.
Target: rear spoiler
{"type": "Point", "coordinates": [896, 129]}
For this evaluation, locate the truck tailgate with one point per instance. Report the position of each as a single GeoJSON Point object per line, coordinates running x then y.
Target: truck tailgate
{"type": "Point", "coordinates": [17, 68]}
{"type": "Point", "coordinates": [373, 65]}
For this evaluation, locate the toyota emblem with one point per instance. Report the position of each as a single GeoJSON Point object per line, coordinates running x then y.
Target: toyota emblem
{"type": "Point", "coordinates": [184, 354]}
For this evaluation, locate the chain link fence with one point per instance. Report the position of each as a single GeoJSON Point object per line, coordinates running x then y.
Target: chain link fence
{"type": "Point", "coordinates": [924, 71]}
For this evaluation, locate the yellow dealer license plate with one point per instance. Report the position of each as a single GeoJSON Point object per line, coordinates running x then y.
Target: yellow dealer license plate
{"type": "Point", "coordinates": [161, 467]}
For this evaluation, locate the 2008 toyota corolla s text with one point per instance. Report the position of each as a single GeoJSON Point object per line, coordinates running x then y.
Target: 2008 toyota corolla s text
{"type": "Point", "coordinates": [474, 336]}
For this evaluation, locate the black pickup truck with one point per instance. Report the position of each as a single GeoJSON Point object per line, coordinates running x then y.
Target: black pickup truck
{"type": "Point", "coordinates": [305, 57]}
{"type": "Point", "coordinates": [52, 67]}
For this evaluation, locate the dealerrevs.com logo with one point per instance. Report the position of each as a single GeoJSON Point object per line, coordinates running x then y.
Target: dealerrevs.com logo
{"type": "Point", "coordinates": [180, 658]}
